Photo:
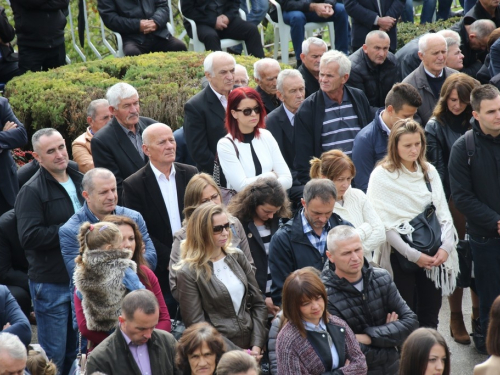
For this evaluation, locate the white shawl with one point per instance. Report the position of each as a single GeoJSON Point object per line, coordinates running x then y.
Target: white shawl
{"type": "Point", "coordinates": [400, 196]}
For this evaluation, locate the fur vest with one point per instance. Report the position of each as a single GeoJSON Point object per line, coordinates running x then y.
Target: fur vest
{"type": "Point", "coordinates": [99, 278]}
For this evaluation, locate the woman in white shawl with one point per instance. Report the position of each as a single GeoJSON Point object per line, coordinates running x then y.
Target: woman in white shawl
{"type": "Point", "coordinates": [398, 191]}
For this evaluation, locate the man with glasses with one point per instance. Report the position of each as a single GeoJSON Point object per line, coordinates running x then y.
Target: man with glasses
{"type": "Point", "coordinates": [157, 192]}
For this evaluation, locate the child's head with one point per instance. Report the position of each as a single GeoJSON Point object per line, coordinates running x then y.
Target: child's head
{"type": "Point", "coordinates": [102, 235]}
{"type": "Point", "coordinates": [38, 363]}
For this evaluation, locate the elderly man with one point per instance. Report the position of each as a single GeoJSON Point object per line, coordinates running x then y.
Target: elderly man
{"type": "Point", "coordinates": [265, 72]}
{"type": "Point", "coordinates": [98, 115]}
{"type": "Point", "coordinates": [216, 20]}
{"type": "Point", "coordinates": [99, 192]}
{"type": "Point", "coordinates": [157, 192]}
{"type": "Point", "coordinates": [301, 242]}
{"type": "Point", "coordinates": [13, 355]}
{"type": "Point", "coordinates": [143, 27]}
{"type": "Point", "coordinates": [205, 113]}
{"type": "Point", "coordinates": [136, 347]}
{"type": "Point", "coordinates": [240, 76]}
{"type": "Point", "coordinates": [474, 40]}
{"type": "Point", "coordinates": [367, 299]}
{"type": "Point", "coordinates": [374, 68]}
{"type": "Point", "coordinates": [118, 146]}
{"type": "Point", "coordinates": [429, 77]}
{"type": "Point", "coordinates": [45, 203]}
{"type": "Point", "coordinates": [331, 117]}
{"type": "Point", "coordinates": [312, 50]}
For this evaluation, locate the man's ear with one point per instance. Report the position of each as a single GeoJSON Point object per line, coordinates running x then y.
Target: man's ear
{"type": "Point", "coordinates": [36, 156]}
{"type": "Point", "coordinates": [476, 115]}
{"type": "Point", "coordinates": [330, 256]}
{"type": "Point", "coordinates": [85, 195]}
{"type": "Point", "coordinates": [420, 54]}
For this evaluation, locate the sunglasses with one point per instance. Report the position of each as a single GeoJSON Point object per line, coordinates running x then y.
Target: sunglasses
{"type": "Point", "coordinates": [219, 228]}
{"type": "Point", "coordinates": [248, 111]}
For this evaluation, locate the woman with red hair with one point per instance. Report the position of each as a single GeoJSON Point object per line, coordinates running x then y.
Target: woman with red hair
{"type": "Point", "coordinates": [249, 151]}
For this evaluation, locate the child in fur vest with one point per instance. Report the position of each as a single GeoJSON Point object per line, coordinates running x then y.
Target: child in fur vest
{"type": "Point", "coordinates": [104, 274]}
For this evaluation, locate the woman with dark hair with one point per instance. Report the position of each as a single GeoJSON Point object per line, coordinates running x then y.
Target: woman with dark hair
{"type": "Point", "coordinates": [401, 187]}
{"type": "Point", "coordinates": [202, 189]}
{"type": "Point", "coordinates": [425, 352]}
{"type": "Point", "coordinates": [492, 365]}
{"type": "Point", "coordinates": [199, 350]}
{"type": "Point", "coordinates": [216, 283]}
{"type": "Point", "coordinates": [249, 151]}
{"type": "Point", "coordinates": [351, 204]}
{"type": "Point", "coordinates": [260, 206]}
{"type": "Point", "coordinates": [451, 119]}
{"type": "Point", "coordinates": [301, 347]}
{"type": "Point", "coordinates": [131, 242]}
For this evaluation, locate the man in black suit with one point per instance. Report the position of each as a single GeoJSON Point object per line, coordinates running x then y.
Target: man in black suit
{"type": "Point", "coordinates": [312, 50]}
{"type": "Point", "coordinates": [157, 192]}
{"type": "Point", "coordinates": [265, 72]}
{"type": "Point", "coordinates": [205, 113]}
{"type": "Point", "coordinates": [220, 19]}
{"type": "Point", "coordinates": [13, 135]}
{"type": "Point", "coordinates": [118, 146]}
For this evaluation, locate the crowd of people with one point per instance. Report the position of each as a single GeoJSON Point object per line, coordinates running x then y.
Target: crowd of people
{"type": "Point", "coordinates": [309, 226]}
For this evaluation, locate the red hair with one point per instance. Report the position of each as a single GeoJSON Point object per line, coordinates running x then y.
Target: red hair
{"type": "Point", "coordinates": [233, 101]}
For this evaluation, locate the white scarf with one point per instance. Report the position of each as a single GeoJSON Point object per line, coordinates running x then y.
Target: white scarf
{"type": "Point", "coordinates": [400, 196]}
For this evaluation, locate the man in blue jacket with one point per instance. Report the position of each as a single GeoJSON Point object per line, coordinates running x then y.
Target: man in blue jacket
{"type": "Point", "coordinates": [370, 145]}
{"type": "Point", "coordinates": [12, 318]}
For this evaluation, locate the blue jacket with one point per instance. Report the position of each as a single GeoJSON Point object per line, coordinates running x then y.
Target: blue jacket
{"type": "Point", "coordinates": [68, 233]}
{"type": "Point", "coordinates": [370, 146]}
{"type": "Point", "coordinates": [10, 312]}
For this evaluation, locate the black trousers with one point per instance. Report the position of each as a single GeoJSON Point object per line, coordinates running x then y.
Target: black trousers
{"type": "Point", "coordinates": [22, 297]}
{"type": "Point", "coordinates": [152, 44]}
{"type": "Point", "coordinates": [419, 293]}
{"type": "Point", "coordinates": [237, 29]}
{"type": "Point", "coordinates": [41, 59]}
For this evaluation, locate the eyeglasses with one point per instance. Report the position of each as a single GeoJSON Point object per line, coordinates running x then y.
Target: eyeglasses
{"type": "Point", "coordinates": [211, 198]}
{"type": "Point", "coordinates": [219, 228]}
{"type": "Point", "coordinates": [248, 111]}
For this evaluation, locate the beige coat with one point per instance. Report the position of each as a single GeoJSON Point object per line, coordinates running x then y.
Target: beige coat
{"type": "Point", "coordinates": [82, 153]}
{"type": "Point", "coordinates": [489, 367]}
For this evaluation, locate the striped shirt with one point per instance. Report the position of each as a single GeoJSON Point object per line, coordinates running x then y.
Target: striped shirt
{"type": "Point", "coordinates": [340, 125]}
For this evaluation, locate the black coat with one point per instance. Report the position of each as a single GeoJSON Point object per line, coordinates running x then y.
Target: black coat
{"type": "Point", "coordinates": [204, 118]}
{"type": "Point", "coordinates": [142, 193]}
{"type": "Point", "coordinates": [7, 34]}
{"type": "Point", "coordinates": [40, 23]}
{"type": "Point", "coordinates": [374, 80]}
{"type": "Point", "coordinates": [124, 17]}
{"type": "Point", "coordinates": [308, 125]}
{"type": "Point", "coordinates": [302, 5]}
{"type": "Point", "coordinates": [474, 186]}
{"type": "Point", "coordinates": [269, 104]}
{"type": "Point", "coordinates": [42, 206]}
{"type": "Point", "coordinates": [279, 125]}
{"type": "Point", "coordinates": [477, 12]}
{"type": "Point", "coordinates": [28, 170]}
{"type": "Point", "coordinates": [472, 62]}
{"type": "Point", "coordinates": [366, 313]}
{"type": "Point", "coordinates": [203, 12]}
{"type": "Point", "coordinates": [312, 84]}
{"type": "Point", "coordinates": [113, 150]}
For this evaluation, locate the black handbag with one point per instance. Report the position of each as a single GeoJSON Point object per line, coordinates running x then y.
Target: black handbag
{"type": "Point", "coordinates": [426, 236]}
{"type": "Point", "coordinates": [178, 326]}
{"type": "Point", "coordinates": [226, 194]}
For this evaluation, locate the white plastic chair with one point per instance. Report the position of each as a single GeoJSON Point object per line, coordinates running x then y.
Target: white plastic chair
{"type": "Point", "coordinates": [282, 32]}
{"type": "Point", "coordinates": [197, 46]}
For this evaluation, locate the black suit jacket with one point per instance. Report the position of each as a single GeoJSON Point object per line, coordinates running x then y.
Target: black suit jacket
{"type": "Point", "coordinates": [142, 193]}
{"type": "Point", "coordinates": [312, 84]}
{"type": "Point", "coordinates": [10, 139]}
{"type": "Point", "coordinates": [204, 118]}
{"type": "Point", "coordinates": [279, 125]}
{"type": "Point", "coordinates": [267, 99]}
{"type": "Point", "coordinates": [113, 150]}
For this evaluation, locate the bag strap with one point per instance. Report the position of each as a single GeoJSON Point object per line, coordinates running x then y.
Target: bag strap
{"type": "Point", "coordinates": [235, 148]}
{"type": "Point", "coordinates": [470, 145]}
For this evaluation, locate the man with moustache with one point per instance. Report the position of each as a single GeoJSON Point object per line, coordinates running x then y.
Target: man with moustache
{"type": "Point", "coordinates": [265, 72]}
{"type": "Point", "coordinates": [312, 50]}
{"type": "Point", "coordinates": [118, 146]}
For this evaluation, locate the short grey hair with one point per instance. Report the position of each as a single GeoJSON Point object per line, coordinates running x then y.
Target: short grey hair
{"type": "Point", "coordinates": [35, 138]}
{"type": "Point", "coordinates": [146, 134]}
{"type": "Point", "coordinates": [263, 63]}
{"type": "Point", "coordinates": [447, 33]}
{"type": "Point", "coordinates": [242, 67]}
{"type": "Point", "coordinates": [381, 34]}
{"type": "Point", "coordinates": [482, 28]}
{"type": "Point", "coordinates": [119, 91]}
{"type": "Point", "coordinates": [236, 362]}
{"type": "Point", "coordinates": [88, 178]}
{"type": "Point", "coordinates": [450, 42]}
{"type": "Point", "coordinates": [140, 299]}
{"type": "Point", "coordinates": [338, 57]}
{"type": "Point", "coordinates": [284, 74]}
{"type": "Point", "coordinates": [315, 41]}
{"type": "Point", "coordinates": [321, 188]}
{"type": "Point", "coordinates": [339, 233]}
{"type": "Point", "coordinates": [13, 346]}
{"type": "Point", "coordinates": [94, 104]}
{"type": "Point", "coordinates": [424, 40]}
{"type": "Point", "coordinates": [208, 63]}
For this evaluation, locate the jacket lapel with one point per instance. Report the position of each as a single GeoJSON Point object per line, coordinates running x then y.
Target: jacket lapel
{"type": "Point", "coordinates": [214, 103]}
{"type": "Point", "coordinates": [126, 145]}
{"type": "Point", "coordinates": [285, 124]}
{"type": "Point", "coordinates": [338, 337]}
{"type": "Point", "coordinates": [153, 189]}
{"type": "Point", "coordinates": [180, 184]}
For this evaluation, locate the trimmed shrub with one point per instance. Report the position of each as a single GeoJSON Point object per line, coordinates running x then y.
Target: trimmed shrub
{"type": "Point", "coordinates": [408, 31]}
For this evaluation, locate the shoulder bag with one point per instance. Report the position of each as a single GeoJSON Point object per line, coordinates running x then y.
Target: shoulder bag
{"type": "Point", "coordinates": [227, 194]}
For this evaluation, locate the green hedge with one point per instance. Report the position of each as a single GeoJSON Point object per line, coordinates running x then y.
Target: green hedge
{"type": "Point", "coordinates": [59, 98]}
{"type": "Point", "coordinates": [408, 31]}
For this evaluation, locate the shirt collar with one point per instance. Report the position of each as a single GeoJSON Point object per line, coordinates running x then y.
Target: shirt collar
{"type": "Point", "coordinates": [311, 327]}
{"type": "Point", "coordinates": [384, 126]}
{"type": "Point", "coordinates": [219, 96]}
{"type": "Point", "coordinates": [158, 173]}
{"type": "Point", "coordinates": [126, 130]}
{"type": "Point", "coordinates": [329, 102]}
{"type": "Point", "coordinates": [308, 228]}
{"type": "Point", "coordinates": [432, 75]}
{"type": "Point", "coordinates": [289, 114]}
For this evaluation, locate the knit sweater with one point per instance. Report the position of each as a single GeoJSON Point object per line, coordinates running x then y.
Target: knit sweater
{"type": "Point", "coordinates": [360, 213]}
{"type": "Point", "coordinates": [398, 197]}
{"type": "Point", "coordinates": [295, 355]}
